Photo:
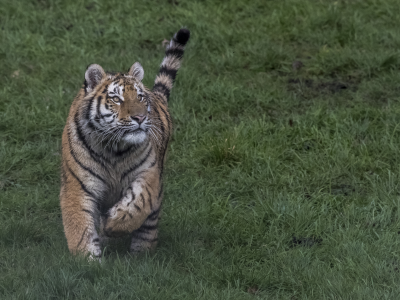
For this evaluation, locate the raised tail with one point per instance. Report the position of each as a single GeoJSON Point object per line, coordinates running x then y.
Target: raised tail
{"type": "Point", "coordinates": [171, 63]}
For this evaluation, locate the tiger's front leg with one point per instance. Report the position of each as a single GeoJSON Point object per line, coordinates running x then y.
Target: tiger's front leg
{"type": "Point", "coordinates": [80, 217]}
{"type": "Point", "coordinates": [139, 202]}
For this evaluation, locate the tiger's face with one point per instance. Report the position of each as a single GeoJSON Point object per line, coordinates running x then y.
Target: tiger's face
{"type": "Point", "coordinates": [124, 108]}
{"type": "Point", "coordinates": [120, 109]}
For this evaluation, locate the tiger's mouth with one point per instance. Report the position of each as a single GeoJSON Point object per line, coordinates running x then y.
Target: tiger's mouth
{"type": "Point", "coordinates": [137, 130]}
{"type": "Point", "coordinates": [132, 129]}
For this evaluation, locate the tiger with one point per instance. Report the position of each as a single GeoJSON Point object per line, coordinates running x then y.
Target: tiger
{"type": "Point", "coordinates": [114, 148]}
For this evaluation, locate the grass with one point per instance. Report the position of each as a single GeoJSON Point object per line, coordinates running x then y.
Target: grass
{"type": "Point", "coordinates": [282, 180]}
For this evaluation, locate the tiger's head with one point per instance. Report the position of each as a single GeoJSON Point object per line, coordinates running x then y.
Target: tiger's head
{"type": "Point", "coordinates": [119, 107]}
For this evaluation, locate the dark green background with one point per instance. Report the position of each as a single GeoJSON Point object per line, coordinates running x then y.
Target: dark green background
{"type": "Point", "coordinates": [282, 180]}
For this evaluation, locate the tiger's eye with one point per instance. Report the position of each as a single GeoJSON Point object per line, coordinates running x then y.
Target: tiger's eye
{"type": "Point", "coordinates": [116, 99]}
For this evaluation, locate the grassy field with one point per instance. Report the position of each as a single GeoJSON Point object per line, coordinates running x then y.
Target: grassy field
{"type": "Point", "coordinates": [282, 180]}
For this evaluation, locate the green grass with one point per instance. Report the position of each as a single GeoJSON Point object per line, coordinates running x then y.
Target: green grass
{"type": "Point", "coordinates": [281, 183]}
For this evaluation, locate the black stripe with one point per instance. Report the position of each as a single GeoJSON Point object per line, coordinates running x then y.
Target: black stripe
{"type": "Point", "coordinates": [112, 120]}
{"type": "Point", "coordinates": [166, 116]}
{"type": "Point", "coordinates": [161, 191]}
{"type": "Point", "coordinates": [89, 108]}
{"type": "Point", "coordinates": [127, 150]}
{"type": "Point", "coordinates": [98, 107]}
{"type": "Point", "coordinates": [162, 88]}
{"type": "Point", "coordinates": [163, 152]}
{"type": "Point", "coordinates": [143, 201]}
{"type": "Point", "coordinates": [91, 126]}
{"type": "Point", "coordinates": [96, 157]}
{"type": "Point", "coordinates": [82, 139]}
{"type": "Point", "coordinates": [137, 207]}
{"type": "Point", "coordinates": [79, 163]}
{"type": "Point", "coordinates": [153, 163]}
{"type": "Point", "coordinates": [174, 52]}
{"type": "Point", "coordinates": [161, 123]}
{"type": "Point", "coordinates": [168, 72]}
{"type": "Point", "coordinates": [154, 215]}
{"type": "Point", "coordinates": [83, 235]}
{"type": "Point", "coordinates": [151, 204]}
{"type": "Point", "coordinates": [159, 86]}
{"type": "Point", "coordinates": [85, 86]}
{"type": "Point", "coordinates": [182, 36]}
{"type": "Point", "coordinates": [137, 165]}
{"type": "Point", "coordinates": [83, 187]}
{"type": "Point", "coordinates": [147, 229]}
{"type": "Point", "coordinates": [157, 112]}
{"type": "Point", "coordinates": [89, 212]}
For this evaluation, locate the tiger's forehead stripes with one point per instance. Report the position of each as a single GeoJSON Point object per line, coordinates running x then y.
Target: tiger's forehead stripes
{"type": "Point", "coordinates": [119, 86]}
{"type": "Point", "coordinates": [139, 91]}
{"type": "Point", "coordinates": [116, 90]}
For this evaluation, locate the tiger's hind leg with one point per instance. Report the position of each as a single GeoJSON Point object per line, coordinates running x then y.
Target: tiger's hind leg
{"type": "Point", "coordinates": [146, 237]}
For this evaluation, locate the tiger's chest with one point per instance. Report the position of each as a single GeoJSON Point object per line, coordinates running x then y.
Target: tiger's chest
{"type": "Point", "coordinates": [122, 175]}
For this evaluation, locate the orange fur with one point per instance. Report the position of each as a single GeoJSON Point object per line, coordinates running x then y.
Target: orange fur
{"type": "Point", "coordinates": [113, 152]}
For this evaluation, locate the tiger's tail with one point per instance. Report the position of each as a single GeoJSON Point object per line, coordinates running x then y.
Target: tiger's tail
{"type": "Point", "coordinates": [171, 63]}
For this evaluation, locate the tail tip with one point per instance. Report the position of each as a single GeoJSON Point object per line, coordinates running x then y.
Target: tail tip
{"type": "Point", "coordinates": [182, 36]}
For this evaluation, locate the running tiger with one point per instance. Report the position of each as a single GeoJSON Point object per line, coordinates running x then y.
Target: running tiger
{"type": "Point", "coordinates": [113, 154]}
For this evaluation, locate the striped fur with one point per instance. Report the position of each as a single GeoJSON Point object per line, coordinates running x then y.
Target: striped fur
{"type": "Point", "coordinates": [113, 152]}
{"type": "Point", "coordinates": [170, 64]}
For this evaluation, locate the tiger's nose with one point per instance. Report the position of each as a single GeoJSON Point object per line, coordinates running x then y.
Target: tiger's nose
{"type": "Point", "coordinates": [139, 118]}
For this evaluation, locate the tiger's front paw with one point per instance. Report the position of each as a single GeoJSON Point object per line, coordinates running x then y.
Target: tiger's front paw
{"type": "Point", "coordinates": [91, 247]}
{"type": "Point", "coordinates": [120, 218]}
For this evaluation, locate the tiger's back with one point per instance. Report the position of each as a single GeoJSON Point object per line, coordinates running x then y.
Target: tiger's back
{"type": "Point", "coordinates": [113, 152]}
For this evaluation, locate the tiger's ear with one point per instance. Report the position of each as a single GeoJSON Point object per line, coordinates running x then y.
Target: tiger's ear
{"type": "Point", "coordinates": [137, 71]}
{"type": "Point", "coordinates": [94, 74]}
